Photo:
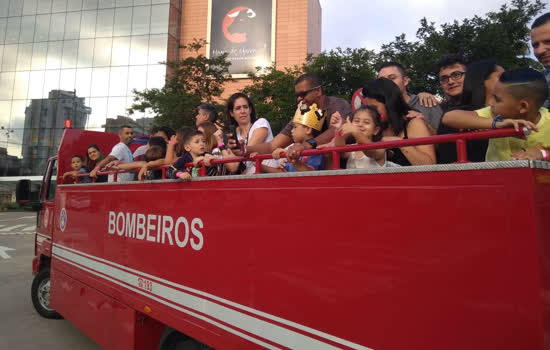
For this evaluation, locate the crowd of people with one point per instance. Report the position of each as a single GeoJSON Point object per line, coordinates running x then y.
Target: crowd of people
{"type": "Point", "coordinates": [481, 95]}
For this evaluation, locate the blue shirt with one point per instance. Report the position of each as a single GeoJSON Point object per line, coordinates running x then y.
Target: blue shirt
{"type": "Point", "coordinates": [316, 162]}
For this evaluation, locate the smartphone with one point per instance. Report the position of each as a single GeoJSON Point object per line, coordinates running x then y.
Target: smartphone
{"type": "Point", "coordinates": [233, 131]}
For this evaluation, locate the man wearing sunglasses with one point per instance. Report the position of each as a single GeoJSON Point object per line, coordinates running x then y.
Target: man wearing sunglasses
{"type": "Point", "coordinates": [451, 70]}
{"type": "Point", "coordinates": [308, 90]}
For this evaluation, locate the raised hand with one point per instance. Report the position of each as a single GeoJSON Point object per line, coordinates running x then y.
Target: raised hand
{"type": "Point", "coordinates": [336, 121]}
{"type": "Point", "coordinates": [347, 128]}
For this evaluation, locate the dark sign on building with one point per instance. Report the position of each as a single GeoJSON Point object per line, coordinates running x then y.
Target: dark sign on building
{"type": "Point", "coordinates": [244, 29]}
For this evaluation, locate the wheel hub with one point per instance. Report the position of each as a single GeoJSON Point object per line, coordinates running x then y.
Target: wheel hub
{"type": "Point", "coordinates": [44, 294]}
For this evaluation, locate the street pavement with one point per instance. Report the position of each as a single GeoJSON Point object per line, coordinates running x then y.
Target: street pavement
{"type": "Point", "coordinates": [21, 327]}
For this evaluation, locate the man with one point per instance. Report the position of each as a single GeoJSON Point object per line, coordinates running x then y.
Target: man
{"type": "Point", "coordinates": [451, 70]}
{"type": "Point", "coordinates": [120, 152]}
{"type": "Point", "coordinates": [163, 131]}
{"type": "Point", "coordinates": [396, 73]}
{"type": "Point", "coordinates": [540, 39]}
{"type": "Point", "coordinates": [308, 90]}
{"type": "Point", "coordinates": [206, 113]}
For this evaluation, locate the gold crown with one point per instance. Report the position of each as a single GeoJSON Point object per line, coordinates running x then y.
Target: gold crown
{"type": "Point", "coordinates": [313, 118]}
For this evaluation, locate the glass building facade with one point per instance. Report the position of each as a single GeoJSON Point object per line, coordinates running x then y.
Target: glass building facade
{"type": "Point", "coordinates": [78, 60]}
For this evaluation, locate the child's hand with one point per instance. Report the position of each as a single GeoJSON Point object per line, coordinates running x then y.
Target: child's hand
{"type": "Point", "coordinates": [347, 128]}
{"type": "Point", "coordinates": [185, 176]}
{"type": "Point", "coordinates": [336, 120]}
{"type": "Point", "coordinates": [277, 153]}
{"type": "Point", "coordinates": [173, 140]}
{"type": "Point", "coordinates": [70, 173]}
{"type": "Point", "coordinates": [516, 123]}
{"type": "Point", "coordinates": [208, 158]}
{"type": "Point", "coordinates": [197, 160]}
{"type": "Point", "coordinates": [93, 173]}
{"type": "Point", "coordinates": [327, 145]}
{"type": "Point", "coordinates": [142, 173]}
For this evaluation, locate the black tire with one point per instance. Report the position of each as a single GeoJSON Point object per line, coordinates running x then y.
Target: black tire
{"type": "Point", "coordinates": [40, 295]}
{"type": "Point", "coordinates": [174, 340]}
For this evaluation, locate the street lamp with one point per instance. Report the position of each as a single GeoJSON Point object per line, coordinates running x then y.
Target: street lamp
{"type": "Point", "coordinates": [7, 132]}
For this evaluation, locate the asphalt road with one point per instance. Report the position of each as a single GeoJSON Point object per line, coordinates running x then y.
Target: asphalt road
{"type": "Point", "coordinates": [21, 327]}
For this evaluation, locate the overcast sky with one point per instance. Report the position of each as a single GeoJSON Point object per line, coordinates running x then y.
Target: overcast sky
{"type": "Point", "coordinates": [370, 23]}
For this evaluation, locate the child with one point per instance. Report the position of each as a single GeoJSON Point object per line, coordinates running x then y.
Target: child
{"type": "Point", "coordinates": [306, 125]}
{"type": "Point", "coordinates": [156, 149]}
{"type": "Point", "coordinates": [517, 100]}
{"type": "Point", "coordinates": [195, 146]}
{"type": "Point", "coordinates": [76, 165]}
{"type": "Point", "coordinates": [365, 128]}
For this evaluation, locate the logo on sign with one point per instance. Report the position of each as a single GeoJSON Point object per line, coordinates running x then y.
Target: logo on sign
{"type": "Point", "coordinates": [236, 24]}
{"type": "Point", "coordinates": [63, 219]}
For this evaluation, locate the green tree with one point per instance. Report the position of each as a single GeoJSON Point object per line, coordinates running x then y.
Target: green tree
{"type": "Point", "coordinates": [341, 71]}
{"type": "Point", "coordinates": [272, 92]}
{"type": "Point", "coordinates": [190, 82]}
{"type": "Point", "coordinates": [502, 35]}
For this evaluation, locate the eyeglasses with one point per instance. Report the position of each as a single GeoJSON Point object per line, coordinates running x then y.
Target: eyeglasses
{"type": "Point", "coordinates": [444, 79]}
{"type": "Point", "coordinates": [304, 93]}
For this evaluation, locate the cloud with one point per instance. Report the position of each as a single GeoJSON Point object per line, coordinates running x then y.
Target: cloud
{"type": "Point", "coordinates": [369, 24]}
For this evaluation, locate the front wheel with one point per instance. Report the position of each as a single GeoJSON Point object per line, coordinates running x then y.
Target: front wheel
{"type": "Point", "coordinates": [40, 295]}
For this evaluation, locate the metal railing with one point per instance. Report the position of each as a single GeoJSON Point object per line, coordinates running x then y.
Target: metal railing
{"type": "Point", "coordinates": [460, 139]}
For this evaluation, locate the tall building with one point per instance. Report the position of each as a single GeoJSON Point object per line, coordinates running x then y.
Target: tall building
{"type": "Point", "coordinates": [95, 53]}
{"type": "Point", "coordinates": [44, 125]}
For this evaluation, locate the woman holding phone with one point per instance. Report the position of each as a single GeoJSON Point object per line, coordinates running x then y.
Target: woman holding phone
{"type": "Point", "coordinates": [241, 119]}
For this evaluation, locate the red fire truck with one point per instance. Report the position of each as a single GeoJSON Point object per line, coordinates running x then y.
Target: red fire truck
{"type": "Point", "coordinates": [423, 257]}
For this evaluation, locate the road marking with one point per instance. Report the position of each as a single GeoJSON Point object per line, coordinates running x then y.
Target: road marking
{"type": "Point", "coordinates": [3, 253]}
{"type": "Point", "coordinates": [23, 217]}
{"type": "Point", "coordinates": [30, 228]}
{"type": "Point", "coordinates": [16, 233]}
{"type": "Point", "coordinates": [11, 228]}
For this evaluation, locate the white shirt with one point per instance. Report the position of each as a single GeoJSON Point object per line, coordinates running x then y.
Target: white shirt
{"type": "Point", "coordinates": [359, 160]}
{"type": "Point", "coordinates": [122, 152]}
{"type": "Point", "coordinates": [260, 123]}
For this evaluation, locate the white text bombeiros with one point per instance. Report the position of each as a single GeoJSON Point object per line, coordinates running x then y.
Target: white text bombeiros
{"type": "Point", "coordinates": [161, 229]}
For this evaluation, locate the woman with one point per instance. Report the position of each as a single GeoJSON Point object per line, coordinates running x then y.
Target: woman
{"type": "Point", "coordinates": [241, 119]}
{"type": "Point", "coordinates": [93, 157]}
{"type": "Point", "coordinates": [479, 83]}
{"type": "Point", "coordinates": [384, 95]}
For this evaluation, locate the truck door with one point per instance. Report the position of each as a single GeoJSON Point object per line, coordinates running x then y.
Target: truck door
{"type": "Point", "coordinates": [45, 219]}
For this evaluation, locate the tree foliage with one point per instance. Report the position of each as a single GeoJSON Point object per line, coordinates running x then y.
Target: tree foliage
{"type": "Point", "coordinates": [502, 35]}
{"type": "Point", "coordinates": [342, 71]}
{"type": "Point", "coordinates": [190, 82]}
{"type": "Point", "coordinates": [272, 92]}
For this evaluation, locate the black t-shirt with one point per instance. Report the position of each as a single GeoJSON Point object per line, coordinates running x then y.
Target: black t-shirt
{"type": "Point", "coordinates": [446, 152]}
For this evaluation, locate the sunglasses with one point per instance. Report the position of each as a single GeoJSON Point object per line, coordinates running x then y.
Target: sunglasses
{"type": "Point", "coordinates": [444, 79]}
{"type": "Point", "coordinates": [304, 93]}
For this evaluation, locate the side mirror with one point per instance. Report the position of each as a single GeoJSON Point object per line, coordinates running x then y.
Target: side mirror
{"type": "Point", "coordinates": [26, 196]}
{"type": "Point", "coordinates": [23, 191]}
